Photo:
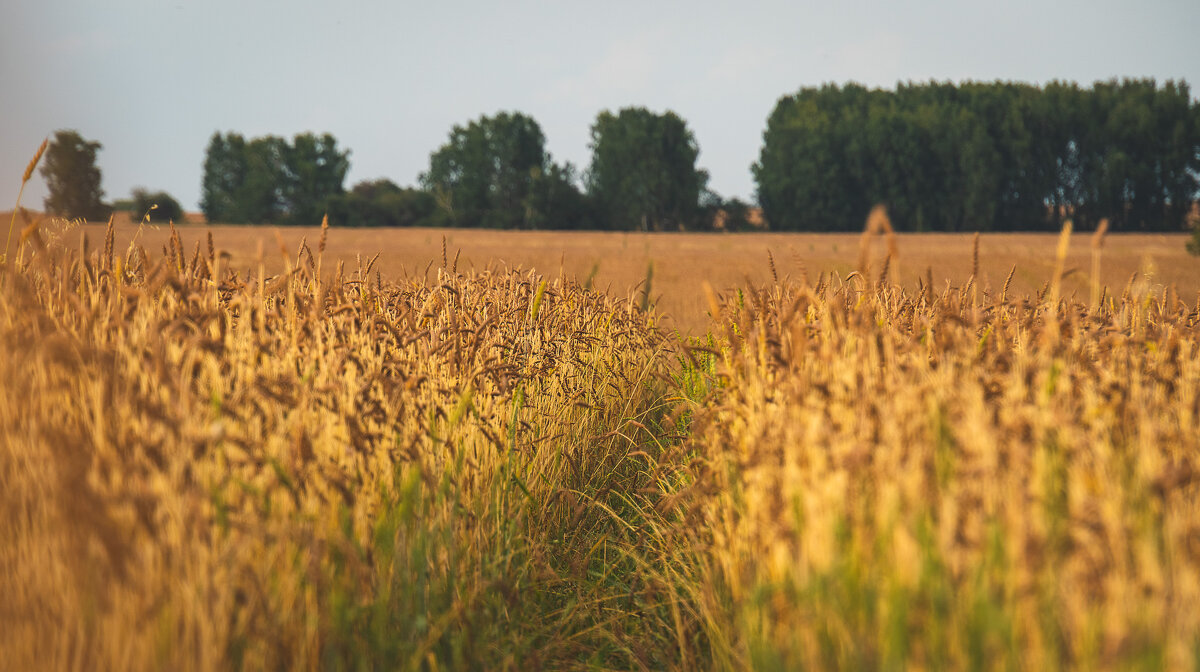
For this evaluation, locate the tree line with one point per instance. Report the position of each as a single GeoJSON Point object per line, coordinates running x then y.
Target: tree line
{"type": "Point", "coordinates": [982, 157]}
{"type": "Point", "coordinates": [971, 157]}
{"type": "Point", "coordinates": [269, 179]}
{"type": "Point", "coordinates": [493, 172]}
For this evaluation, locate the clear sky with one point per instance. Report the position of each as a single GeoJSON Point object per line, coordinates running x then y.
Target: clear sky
{"type": "Point", "coordinates": [153, 79]}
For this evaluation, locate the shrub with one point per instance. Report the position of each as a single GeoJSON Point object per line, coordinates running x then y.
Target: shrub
{"type": "Point", "coordinates": [382, 203]}
{"type": "Point", "coordinates": [157, 206]}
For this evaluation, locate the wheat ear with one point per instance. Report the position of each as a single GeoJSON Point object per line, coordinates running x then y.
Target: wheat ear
{"type": "Point", "coordinates": [24, 179]}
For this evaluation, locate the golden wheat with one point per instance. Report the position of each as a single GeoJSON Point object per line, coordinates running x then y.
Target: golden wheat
{"type": "Point", "coordinates": [25, 177]}
{"type": "Point", "coordinates": [207, 468]}
{"type": "Point", "coordinates": [896, 481]}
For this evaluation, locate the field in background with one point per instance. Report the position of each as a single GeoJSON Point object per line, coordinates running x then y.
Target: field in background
{"type": "Point", "coordinates": [681, 261]}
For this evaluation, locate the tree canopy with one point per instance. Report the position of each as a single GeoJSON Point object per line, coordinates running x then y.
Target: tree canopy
{"type": "Point", "coordinates": [72, 177]}
{"type": "Point", "coordinates": [158, 206]}
{"type": "Point", "coordinates": [314, 171]}
{"type": "Point", "coordinates": [495, 173]}
{"type": "Point", "coordinates": [994, 156]}
{"type": "Point", "coordinates": [268, 179]}
{"type": "Point", "coordinates": [944, 157]}
{"type": "Point", "coordinates": [383, 203]}
{"type": "Point", "coordinates": [643, 173]}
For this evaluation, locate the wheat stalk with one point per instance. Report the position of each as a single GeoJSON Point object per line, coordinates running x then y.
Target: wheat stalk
{"type": "Point", "coordinates": [1007, 282]}
{"type": "Point", "coordinates": [1060, 260]}
{"type": "Point", "coordinates": [975, 256]}
{"type": "Point", "coordinates": [1097, 249]}
{"type": "Point", "coordinates": [25, 177]}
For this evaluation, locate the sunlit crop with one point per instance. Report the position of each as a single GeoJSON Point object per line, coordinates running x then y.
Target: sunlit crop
{"type": "Point", "coordinates": [212, 466]}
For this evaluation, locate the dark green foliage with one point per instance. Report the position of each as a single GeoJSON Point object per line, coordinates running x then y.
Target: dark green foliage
{"type": "Point", "coordinates": [555, 201]}
{"type": "Point", "coordinates": [314, 170]}
{"type": "Point", "coordinates": [158, 206]}
{"type": "Point", "coordinates": [643, 173]}
{"type": "Point", "coordinates": [224, 172]}
{"type": "Point", "coordinates": [1193, 245]}
{"type": "Point", "coordinates": [73, 178]}
{"type": "Point", "coordinates": [260, 198]}
{"type": "Point", "coordinates": [269, 179]}
{"type": "Point", "coordinates": [737, 215]}
{"type": "Point", "coordinates": [383, 203]}
{"type": "Point", "coordinates": [980, 157]}
{"type": "Point", "coordinates": [495, 173]}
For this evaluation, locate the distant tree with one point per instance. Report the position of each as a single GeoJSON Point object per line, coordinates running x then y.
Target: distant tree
{"type": "Point", "coordinates": [261, 197]}
{"type": "Point", "coordinates": [225, 168]}
{"type": "Point", "coordinates": [314, 171]}
{"type": "Point", "coordinates": [159, 206]}
{"type": "Point", "coordinates": [805, 172]}
{"type": "Point", "coordinates": [982, 156]}
{"type": "Point", "coordinates": [556, 202]}
{"type": "Point", "coordinates": [381, 203]}
{"type": "Point", "coordinates": [643, 173]}
{"type": "Point", "coordinates": [72, 177]}
{"type": "Point", "coordinates": [269, 179]}
{"type": "Point", "coordinates": [485, 175]}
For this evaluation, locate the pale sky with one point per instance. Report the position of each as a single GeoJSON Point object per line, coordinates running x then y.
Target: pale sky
{"type": "Point", "coordinates": [152, 80]}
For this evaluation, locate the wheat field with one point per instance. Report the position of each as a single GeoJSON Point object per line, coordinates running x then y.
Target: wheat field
{"type": "Point", "coordinates": [946, 479]}
{"type": "Point", "coordinates": [229, 450]}
{"type": "Point", "coordinates": [618, 262]}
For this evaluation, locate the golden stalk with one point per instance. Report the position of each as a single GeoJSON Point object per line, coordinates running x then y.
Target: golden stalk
{"type": "Point", "coordinates": [1060, 260]}
{"type": "Point", "coordinates": [24, 179]}
{"type": "Point", "coordinates": [1097, 250]}
{"type": "Point", "coordinates": [878, 223]}
{"type": "Point", "coordinates": [975, 256]}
